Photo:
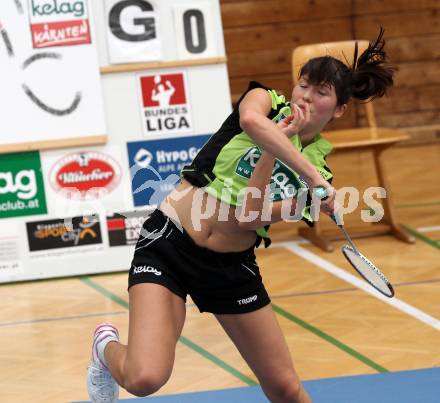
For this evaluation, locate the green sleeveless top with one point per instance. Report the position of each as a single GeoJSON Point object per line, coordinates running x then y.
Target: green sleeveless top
{"type": "Point", "coordinates": [226, 162]}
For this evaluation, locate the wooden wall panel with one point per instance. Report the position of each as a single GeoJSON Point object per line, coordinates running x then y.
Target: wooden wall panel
{"type": "Point", "coordinates": [240, 13]}
{"type": "Point", "coordinates": [424, 22]}
{"type": "Point", "coordinates": [409, 100]}
{"type": "Point", "coordinates": [285, 35]}
{"type": "Point", "coordinates": [413, 35]}
{"type": "Point", "coordinates": [408, 119]}
{"type": "Point", "coordinates": [414, 48]}
{"type": "Point", "coordinates": [418, 73]}
{"type": "Point", "coordinates": [260, 36]}
{"type": "Point", "coordinates": [391, 6]}
{"type": "Point", "coordinates": [260, 62]}
{"type": "Point", "coordinates": [239, 84]}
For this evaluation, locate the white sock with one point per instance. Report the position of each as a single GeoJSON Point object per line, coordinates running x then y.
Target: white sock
{"type": "Point", "coordinates": [104, 338]}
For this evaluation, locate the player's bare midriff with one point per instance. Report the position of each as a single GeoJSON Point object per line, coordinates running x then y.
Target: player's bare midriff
{"type": "Point", "coordinates": [211, 223]}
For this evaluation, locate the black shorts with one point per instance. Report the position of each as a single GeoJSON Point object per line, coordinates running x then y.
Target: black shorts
{"type": "Point", "coordinates": [222, 283]}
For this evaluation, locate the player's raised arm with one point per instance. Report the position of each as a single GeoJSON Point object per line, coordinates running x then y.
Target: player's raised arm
{"type": "Point", "coordinates": [253, 110]}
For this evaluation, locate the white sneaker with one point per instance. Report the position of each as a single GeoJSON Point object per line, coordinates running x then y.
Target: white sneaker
{"type": "Point", "coordinates": [101, 386]}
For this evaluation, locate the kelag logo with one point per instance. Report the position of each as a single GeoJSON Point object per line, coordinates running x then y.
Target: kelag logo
{"type": "Point", "coordinates": [53, 234]}
{"type": "Point", "coordinates": [283, 184]}
{"type": "Point", "coordinates": [155, 166]}
{"type": "Point", "coordinates": [59, 22]}
{"type": "Point", "coordinates": [21, 185]}
{"type": "Point", "coordinates": [84, 172]}
{"type": "Point", "coordinates": [165, 104]}
{"type": "Point", "coordinates": [124, 228]}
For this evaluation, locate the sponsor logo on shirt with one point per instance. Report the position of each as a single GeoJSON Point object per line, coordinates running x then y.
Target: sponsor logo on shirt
{"type": "Point", "coordinates": [146, 269]}
{"type": "Point", "coordinates": [248, 300]}
{"type": "Point", "coordinates": [284, 183]}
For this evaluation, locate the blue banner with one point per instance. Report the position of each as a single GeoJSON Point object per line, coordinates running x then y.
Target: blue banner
{"type": "Point", "coordinates": [155, 166]}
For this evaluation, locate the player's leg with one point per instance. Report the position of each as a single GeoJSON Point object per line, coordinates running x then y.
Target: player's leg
{"type": "Point", "coordinates": [239, 300]}
{"type": "Point", "coordinates": [156, 320]}
{"type": "Point", "coordinates": [261, 343]}
{"type": "Point", "coordinates": [157, 314]}
{"type": "Point", "coordinates": [145, 364]}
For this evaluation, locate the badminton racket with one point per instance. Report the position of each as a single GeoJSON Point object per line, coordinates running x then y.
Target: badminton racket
{"type": "Point", "coordinates": [358, 261]}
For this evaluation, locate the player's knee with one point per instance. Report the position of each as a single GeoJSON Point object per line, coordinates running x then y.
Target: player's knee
{"type": "Point", "coordinates": [145, 383]}
{"type": "Point", "coordinates": [287, 389]}
{"type": "Point", "coordinates": [292, 392]}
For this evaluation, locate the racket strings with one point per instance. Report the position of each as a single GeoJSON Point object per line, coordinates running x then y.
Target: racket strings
{"type": "Point", "coordinates": [374, 268]}
{"type": "Point", "coordinates": [368, 271]}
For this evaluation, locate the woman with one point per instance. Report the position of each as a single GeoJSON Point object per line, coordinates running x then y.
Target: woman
{"type": "Point", "coordinates": [201, 239]}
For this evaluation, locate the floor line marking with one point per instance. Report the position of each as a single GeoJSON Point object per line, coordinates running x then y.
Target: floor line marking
{"type": "Point", "coordinates": [411, 205]}
{"type": "Point", "coordinates": [43, 320]}
{"type": "Point", "coordinates": [330, 339]}
{"type": "Point", "coordinates": [349, 278]}
{"type": "Point", "coordinates": [422, 237]}
{"type": "Point", "coordinates": [351, 289]}
{"type": "Point", "coordinates": [433, 228]}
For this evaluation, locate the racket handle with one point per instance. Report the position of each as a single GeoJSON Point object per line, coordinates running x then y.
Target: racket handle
{"type": "Point", "coordinates": [320, 192]}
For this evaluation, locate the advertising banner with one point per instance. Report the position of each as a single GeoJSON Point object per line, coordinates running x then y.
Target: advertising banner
{"type": "Point", "coordinates": [124, 228]}
{"type": "Point", "coordinates": [165, 104]}
{"type": "Point", "coordinates": [10, 256]}
{"type": "Point", "coordinates": [21, 185]}
{"type": "Point", "coordinates": [155, 166]}
{"type": "Point", "coordinates": [84, 181]}
{"type": "Point", "coordinates": [83, 172]}
{"type": "Point", "coordinates": [63, 233]}
{"type": "Point", "coordinates": [59, 23]}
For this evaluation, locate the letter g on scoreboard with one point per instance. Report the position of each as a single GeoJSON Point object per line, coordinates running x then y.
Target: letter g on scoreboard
{"type": "Point", "coordinates": [134, 31]}
{"type": "Point", "coordinates": [147, 22]}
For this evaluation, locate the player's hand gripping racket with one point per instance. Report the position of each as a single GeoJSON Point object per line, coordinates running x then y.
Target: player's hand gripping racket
{"type": "Point", "coordinates": [359, 262]}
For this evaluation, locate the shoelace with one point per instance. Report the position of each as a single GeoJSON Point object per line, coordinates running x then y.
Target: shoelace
{"type": "Point", "coordinates": [102, 380]}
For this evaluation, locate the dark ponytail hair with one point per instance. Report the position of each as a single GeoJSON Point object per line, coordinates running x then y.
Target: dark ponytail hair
{"type": "Point", "coordinates": [367, 78]}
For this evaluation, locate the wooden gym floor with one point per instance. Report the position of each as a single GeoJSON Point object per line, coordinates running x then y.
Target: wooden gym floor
{"type": "Point", "coordinates": [333, 328]}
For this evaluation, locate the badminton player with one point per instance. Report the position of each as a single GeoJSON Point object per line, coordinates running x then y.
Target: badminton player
{"type": "Point", "coordinates": [201, 240]}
